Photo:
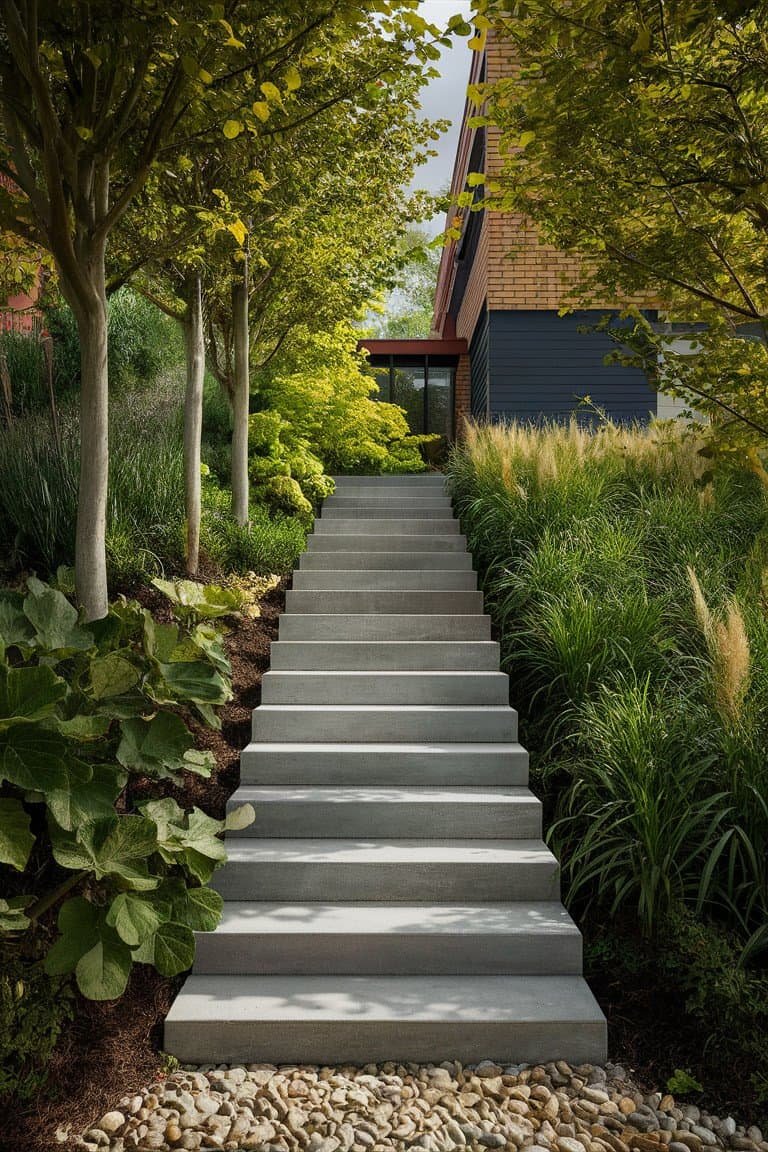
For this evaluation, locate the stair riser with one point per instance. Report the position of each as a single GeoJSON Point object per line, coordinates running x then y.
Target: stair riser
{"type": "Point", "coordinates": [344, 601]}
{"type": "Point", "coordinates": [386, 526]}
{"type": "Point", "coordinates": [425, 483]}
{"type": "Point", "coordinates": [364, 768]}
{"type": "Point", "coordinates": [394, 725]}
{"type": "Point", "coordinates": [364, 1041]}
{"type": "Point", "coordinates": [437, 883]}
{"type": "Point", "coordinates": [384, 511]}
{"type": "Point", "coordinates": [374, 541]}
{"type": "Point", "coordinates": [397, 821]}
{"type": "Point", "coordinates": [360, 499]}
{"type": "Point", "coordinates": [383, 626]}
{"type": "Point", "coordinates": [404, 656]}
{"type": "Point", "coordinates": [385, 581]}
{"type": "Point", "coordinates": [386, 688]}
{"type": "Point", "coordinates": [435, 562]}
{"type": "Point", "coordinates": [318, 954]}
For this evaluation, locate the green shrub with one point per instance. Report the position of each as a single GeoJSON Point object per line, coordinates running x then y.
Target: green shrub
{"type": "Point", "coordinates": [34, 1007]}
{"type": "Point", "coordinates": [21, 357]}
{"type": "Point", "coordinates": [269, 544]}
{"type": "Point", "coordinates": [145, 513]}
{"type": "Point", "coordinates": [143, 343]}
{"type": "Point", "coordinates": [84, 710]}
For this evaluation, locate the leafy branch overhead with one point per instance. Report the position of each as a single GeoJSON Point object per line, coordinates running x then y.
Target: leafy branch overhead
{"type": "Point", "coordinates": [83, 708]}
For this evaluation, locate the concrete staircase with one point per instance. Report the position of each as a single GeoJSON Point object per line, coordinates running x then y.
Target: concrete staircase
{"type": "Point", "coordinates": [394, 898]}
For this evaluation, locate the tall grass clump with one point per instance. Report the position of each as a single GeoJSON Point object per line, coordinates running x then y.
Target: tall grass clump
{"type": "Point", "coordinates": [145, 511]}
{"type": "Point", "coordinates": [629, 588]}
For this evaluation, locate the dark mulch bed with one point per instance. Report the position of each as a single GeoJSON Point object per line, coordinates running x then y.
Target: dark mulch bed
{"type": "Point", "coordinates": [113, 1049]}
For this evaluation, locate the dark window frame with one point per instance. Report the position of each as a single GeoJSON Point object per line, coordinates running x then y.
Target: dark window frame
{"type": "Point", "coordinates": [393, 361]}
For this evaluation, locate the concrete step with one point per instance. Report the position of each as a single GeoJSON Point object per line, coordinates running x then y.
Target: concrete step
{"type": "Point", "coordinates": [385, 656]}
{"type": "Point", "coordinates": [386, 526]}
{"type": "Point", "coordinates": [372, 540]}
{"type": "Point", "coordinates": [367, 723]}
{"type": "Point", "coordinates": [345, 601]}
{"type": "Point", "coordinates": [360, 1019]}
{"type": "Point", "coordinates": [378, 560]}
{"type": "Point", "coordinates": [386, 579]}
{"type": "Point", "coordinates": [391, 871]}
{"type": "Point", "coordinates": [305, 812]}
{"type": "Point", "coordinates": [418, 480]}
{"type": "Point", "coordinates": [334, 687]}
{"type": "Point", "coordinates": [390, 499]}
{"type": "Point", "coordinates": [435, 764]}
{"type": "Point", "coordinates": [382, 510]}
{"type": "Point", "coordinates": [383, 626]}
{"type": "Point", "coordinates": [391, 939]}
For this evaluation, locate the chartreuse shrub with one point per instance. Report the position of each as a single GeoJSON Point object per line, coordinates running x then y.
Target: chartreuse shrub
{"type": "Point", "coordinates": [628, 583]}
{"type": "Point", "coordinates": [85, 709]}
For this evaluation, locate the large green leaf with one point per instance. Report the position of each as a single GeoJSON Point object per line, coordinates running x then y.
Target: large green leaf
{"type": "Point", "coordinates": [83, 728]}
{"type": "Point", "coordinates": [28, 694]}
{"type": "Point", "coordinates": [192, 680]}
{"type": "Point", "coordinates": [16, 840]}
{"type": "Point", "coordinates": [203, 909]}
{"type": "Point", "coordinates": [89, 794]}
{"type": "Point", "coordinates": [134, 918]}
{"type": "Point", "coordinates": [174, 948]}
{"type": "Point", "coordinates": [161, 746]}
{"type": "Point", "coordinates": [14, 626]}
{"type": "Point", "coordinates": [191, 839]}
{"type": "Point", "coordinates": [54, 619]}
{"type": "Point", "coordinates": [112, 675]}
{"type": "Point", "coordinates": [160, 640]}
{"type": "Point", "coordinates": [118, 846]}
{"type": "Point", "coordinates": [204, 601]}
{"type": "Point", "coordinates": [78, 926]}
{"type": "Point", "coordinates": [32, 758]}
{"type": "Point", "coordinates": [210, 641]}
{"type": "Point", "coordinates": [102, 972]}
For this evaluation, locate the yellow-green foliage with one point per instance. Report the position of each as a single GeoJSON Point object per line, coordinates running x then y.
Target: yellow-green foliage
{"type": "Point", "coordinates": [328, 396]}
{"type": "Point", "coordinates": [287, 476]}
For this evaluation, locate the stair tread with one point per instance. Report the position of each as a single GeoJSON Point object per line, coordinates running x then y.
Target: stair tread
{"type": "Point", "coordinates": [458, 999]}
{"type": "Point", "coordinates": [432, 748]}
{"type": "Point", "coordinates": [543, 917]}
{"type": "Point", "coordinates": [377, 793]}
{"type": "Point", "coordinates": [243, 849]}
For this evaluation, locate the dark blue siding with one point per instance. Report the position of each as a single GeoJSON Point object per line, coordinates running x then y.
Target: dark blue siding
{"type": "Point", "coordinates": [540, 366]}
{"type": "Point", "coordinates": [478, 368]}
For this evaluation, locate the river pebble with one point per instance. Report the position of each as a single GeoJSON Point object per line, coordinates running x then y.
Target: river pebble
{"type": "Point", "coordinates": [546, 1108]}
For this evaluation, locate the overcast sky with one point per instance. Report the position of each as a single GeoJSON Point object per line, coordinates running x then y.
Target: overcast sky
{"type": "Point", "coordinates": [444, 97]}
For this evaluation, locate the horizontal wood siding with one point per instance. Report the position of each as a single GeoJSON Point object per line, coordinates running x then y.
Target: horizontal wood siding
{"type": "Point", "coordinates": [479, 368]}
{"type": "Point", "coordinates": [541, 367]}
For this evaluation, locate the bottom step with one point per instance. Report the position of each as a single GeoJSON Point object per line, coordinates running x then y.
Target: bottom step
{"type": "Point", "coordinates": [361, 1020]}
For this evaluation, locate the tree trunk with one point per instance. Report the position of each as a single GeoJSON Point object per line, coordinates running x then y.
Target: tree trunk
{"type": "Point", "coordinates": [90, 539]}
{"type": "Point", "coordinates": [193, 419]}
{"type": "Point", "coordinates": [241, 395]}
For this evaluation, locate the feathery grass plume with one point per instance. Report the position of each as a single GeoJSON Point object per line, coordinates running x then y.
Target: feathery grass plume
{"type": "Point", "coordinates": [707, 496]}
{"type": "Point", "coordinates": [728, 646]}
{"type": "Point", "coordinates": [700, 606]}
{"type": "Point", "coordinates": [731, 664]}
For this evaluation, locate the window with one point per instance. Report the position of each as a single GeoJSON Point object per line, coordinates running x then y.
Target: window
{"type": "Point", "coordinates": [423, 387]}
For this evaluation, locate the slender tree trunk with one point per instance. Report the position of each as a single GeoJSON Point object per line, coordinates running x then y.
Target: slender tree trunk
{"type": "Point", "coordinates": [193, 419]}
{"type": "Point", "coordinates": [90, 540]}
{"type": "Point", "coordinates": [241, 395]}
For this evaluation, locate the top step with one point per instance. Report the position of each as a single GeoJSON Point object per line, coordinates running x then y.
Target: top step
{"type": "Point", "coordinates": [406, 478]}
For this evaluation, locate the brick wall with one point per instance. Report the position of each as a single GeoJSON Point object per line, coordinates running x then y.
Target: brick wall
{"type": "Point", "coordinates": [523, 272]}
{"type": "Point", "coordinates": [461, 402]}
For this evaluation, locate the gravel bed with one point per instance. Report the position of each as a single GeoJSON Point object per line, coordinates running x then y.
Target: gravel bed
{"type": "Point", "coordinates": [549, 1108]}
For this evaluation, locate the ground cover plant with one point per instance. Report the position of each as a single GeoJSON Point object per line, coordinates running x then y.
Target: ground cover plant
{"type": "Point", "coordinates": [627, 581]}
{"type": "Point", "coordinates": [86, 712]}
